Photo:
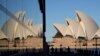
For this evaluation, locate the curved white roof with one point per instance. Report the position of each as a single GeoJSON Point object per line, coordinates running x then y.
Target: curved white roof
{"type": "Point", "coordinates": [28, 24]}
{"type": "Point", "coordinates": [88, 24]}
{"type": "Point", "coordinates": [13, 29]}
{"type": "Point", "coordinates": [20, 14]}
{"type": "Point", "coordinates": [23, 32]}
{"type": "Point", "coordinates": [10, 26]}
{"type": "Point", "coordinates": [37, 29]}
{"type": "Point", "coordinates": [73, 25]}
{"type": "Point", "coordinates": [97, 33]}
{"type": "Point", "coordinates": [75, 28]}
{"type": "Point", "coordinates": [20, 32]}
{"type": "Point", "coordinates": [2, 35]}
{"type": "Point", "coordinates": [69, 32]}
{"type": "Point", "coordinates": [63, 29]}
{"type": "Point", "coordinates": [81, 32]}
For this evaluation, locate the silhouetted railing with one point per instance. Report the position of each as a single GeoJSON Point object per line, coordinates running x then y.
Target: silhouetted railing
{"type": "Point", "coordinates": [22, 52]}
{"type": "Point", "coordinates": [71, 52]}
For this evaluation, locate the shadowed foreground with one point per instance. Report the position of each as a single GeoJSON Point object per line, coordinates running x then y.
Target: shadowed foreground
{"type": "Point", "coordinates": [52, 52]}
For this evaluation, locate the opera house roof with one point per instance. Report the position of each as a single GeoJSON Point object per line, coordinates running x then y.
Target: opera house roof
{"type": "Point", "coordinates": [2, 35]}
{"type": "Point", "coordinates": [84, 26]}
{"type": "Point", "coordinates": [12, 29]}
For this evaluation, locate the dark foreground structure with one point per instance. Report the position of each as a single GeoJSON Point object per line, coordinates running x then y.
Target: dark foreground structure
{"type": "Point", "coordinates": [22, 52]}
{"type": "Point", "coordinates": [52, 52]}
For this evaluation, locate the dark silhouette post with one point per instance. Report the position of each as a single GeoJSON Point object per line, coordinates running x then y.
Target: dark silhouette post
{"type": "Point", "coordinates": [75, 44]}
{"type": "Point", "coordinates": [96, 44]}
{"type": "Point", "coordinates": [80, 43]}
{"type": "Point", "coordinates": [96, 38]}
{"type": "Point", "coordinates": [42, 9]}
{"type": "Point", "coordinates": [23, 40]}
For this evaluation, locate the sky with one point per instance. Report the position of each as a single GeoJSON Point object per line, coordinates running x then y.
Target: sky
{"type": "Point", "coordinates": [57, 11]}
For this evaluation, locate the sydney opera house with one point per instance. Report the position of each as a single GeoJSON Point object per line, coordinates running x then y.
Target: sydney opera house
{"type": "Point", "coordinates": [80, 33]}
{"type": "Point", "coordinates": [14, 34]}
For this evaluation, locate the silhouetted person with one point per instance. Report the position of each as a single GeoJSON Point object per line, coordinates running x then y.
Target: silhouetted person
{"type": "Point", "coordinates": [68, 51]}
